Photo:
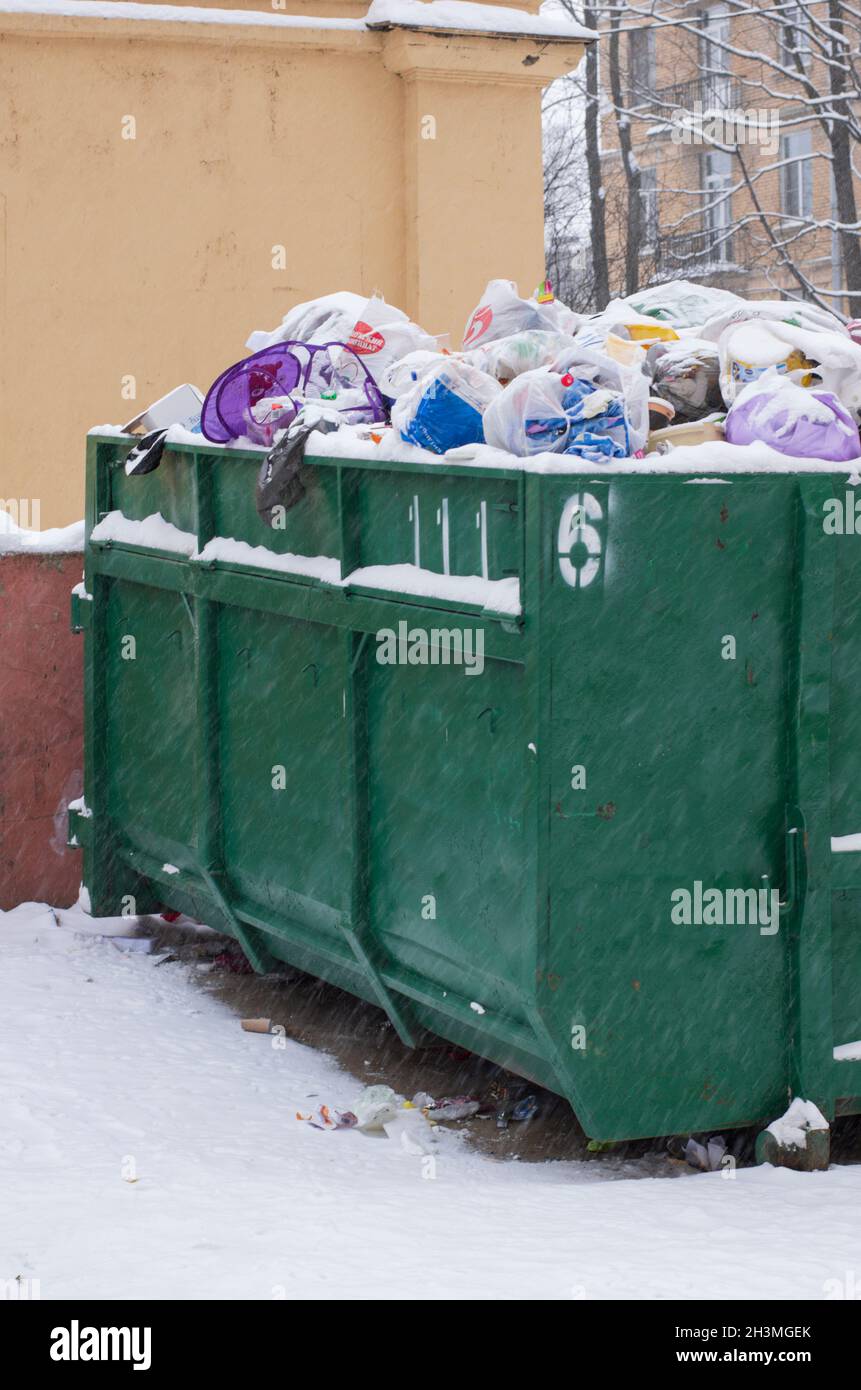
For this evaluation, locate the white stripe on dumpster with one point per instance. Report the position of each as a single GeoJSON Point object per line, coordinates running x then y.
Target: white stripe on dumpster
{"type": "Point", "coordinates": [484, 573]}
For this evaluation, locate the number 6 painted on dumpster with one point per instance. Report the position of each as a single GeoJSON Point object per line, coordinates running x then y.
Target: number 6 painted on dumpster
{"type": "Point", "coordinates": [574, 528]}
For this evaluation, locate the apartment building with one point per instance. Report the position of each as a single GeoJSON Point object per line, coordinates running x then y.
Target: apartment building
{"type": "Point", "coordinates": [735, 182]}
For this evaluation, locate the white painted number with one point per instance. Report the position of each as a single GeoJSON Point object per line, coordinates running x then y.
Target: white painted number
{"type": "Point", "coordinates": [574, 528]}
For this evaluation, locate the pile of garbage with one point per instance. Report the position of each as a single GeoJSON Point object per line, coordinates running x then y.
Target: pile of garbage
{"type": "Point", "coordinates": [676, 364]}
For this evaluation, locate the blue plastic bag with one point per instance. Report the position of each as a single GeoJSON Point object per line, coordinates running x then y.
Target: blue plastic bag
{"type": "Point", "coordinates": [445, 408]}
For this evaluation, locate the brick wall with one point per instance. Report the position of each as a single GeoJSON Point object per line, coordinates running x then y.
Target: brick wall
{"type": "Point", "coordinates": [41, 728]}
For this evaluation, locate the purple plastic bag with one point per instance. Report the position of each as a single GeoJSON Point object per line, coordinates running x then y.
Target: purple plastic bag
{"type": "Point", "coordinates": [291, 369]}
{"type": "Point", "coordinates": [794, 421]}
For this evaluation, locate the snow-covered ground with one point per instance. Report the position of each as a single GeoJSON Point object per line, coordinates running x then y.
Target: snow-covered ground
{"type": "Point", "coordinates": [149, 1148]}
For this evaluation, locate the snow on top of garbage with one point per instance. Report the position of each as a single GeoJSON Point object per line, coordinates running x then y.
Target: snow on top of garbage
{"type": "Point", "coordinates": [715, 456]}
{"type": "Point", "coordinates": [784, 404]}
{"type": "Point", "coordinates": [241, 553]}
{"type": "Point", "coordinates": [354, 442]}
{"type": "Point", "coordinates": [57, 540]}
{"type": "Point", "coordinates": [153, 532]}
{"type": "Point", "coordinates": [476, 18]}
{"type": "Point", "coordinates": [848, 1052]}
{"type": "Point", "coordinates": [756, 344]}
{"type": "Point", "coordinates": [184, 14]}
{"type": "Point", "coordinates": [493, 595]}
{"type": "Point", "coordinates": [793, 1127]}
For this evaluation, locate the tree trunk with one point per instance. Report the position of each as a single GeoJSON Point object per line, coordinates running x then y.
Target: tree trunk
{"type": "Point", "coordinates": [593, 164]}
{"type": "Point", "coordinates": [634, 220]}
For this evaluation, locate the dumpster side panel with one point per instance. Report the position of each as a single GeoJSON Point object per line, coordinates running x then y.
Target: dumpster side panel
{"type": "Point", "coordinates": [669, 760]}
{"type": "Point", "coordinates": [284, 764]}
{"type": "Point", "coordinates": [449, 831]}
{"type": "Point", "coordinates": [149, 670]}
{"type": "Point", "coordinates": [448, 525]}
{"type": "Point", "coordinates": [169, 489]}
{"type": "Point", "coordinates": [311, 527]}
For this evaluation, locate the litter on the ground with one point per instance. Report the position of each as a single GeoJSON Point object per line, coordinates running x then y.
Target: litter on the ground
{"type": "Point", "coordinates": [525, 1109]}
{"type": "Point", "coordinates": [376, 1106]}
{"type": "Point", "coordinates": [324, 1117]}
{"type": "Point", "coordinates": [453, 1108]}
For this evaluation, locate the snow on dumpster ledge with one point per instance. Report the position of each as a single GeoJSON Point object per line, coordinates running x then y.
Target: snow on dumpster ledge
{"type": "Point", "coordinates": [493, 595]}
{"type": "Point", "coordinates": [153, 533]}
{"type": "Point", "coordinates": [500, 596]}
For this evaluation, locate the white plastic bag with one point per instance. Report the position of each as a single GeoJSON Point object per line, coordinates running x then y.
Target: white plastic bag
{"type": "Point", "coordinates": [630, 382]}
{"type": "Point", "coordinates": [377, 331]}
{"type": "Point", "coordinates": [328, 319]}
{"type": "Point", "coordinates": [501, 312]}
{"type": "Point", "coordinates": [382, 335]}
{"type": "Point", "coordinates": [444, 409]}
{"type": "Point", "coordinates": [793, 312]}
{"type": "Point", "coordinates": [402, 375]}
{"type": "Point", "coordinates": [810, 357]}
{"type": "Point", "coordinates": [683, 304]}
{"type": "Point", "coordinates": [621, 321]}
{"type": "Point", "coordinates": [506, 358]}
{"type": "Point", "coordinates": [376, 1107]}
{"type": "Point", "coordinates": [527, 417]}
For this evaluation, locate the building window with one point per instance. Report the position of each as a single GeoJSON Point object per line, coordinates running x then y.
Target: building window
{"type": "Point", "coordinates": [796, 175]}
{"type": "Point", "coordinates": [649, 207]}
{"type": "Point", "coordinates": [714, 58]}
{"type": "Point", "coordinates": [641, 57]}
{"type": "Point", "coordinates": [794, 41]}
{"type": "Point", "coordinates": [717, 178]}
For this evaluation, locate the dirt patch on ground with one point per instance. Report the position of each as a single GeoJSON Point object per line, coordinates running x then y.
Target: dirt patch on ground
{"type": "Point", "coordinates": [363, 1041]}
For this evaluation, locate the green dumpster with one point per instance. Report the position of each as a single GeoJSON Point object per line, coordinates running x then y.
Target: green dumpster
{"type": "Point", "coordinates": [561, 764]}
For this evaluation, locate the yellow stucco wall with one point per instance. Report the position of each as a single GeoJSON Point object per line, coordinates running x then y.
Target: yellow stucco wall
{"type": "Point", "coordinates": [152, 257]}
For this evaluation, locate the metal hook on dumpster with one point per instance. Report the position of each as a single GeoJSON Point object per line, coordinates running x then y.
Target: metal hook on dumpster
{"type": "Point", "coordinates": [492, 721]}
{"type": "Point", "coordinates": [312, 666]}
